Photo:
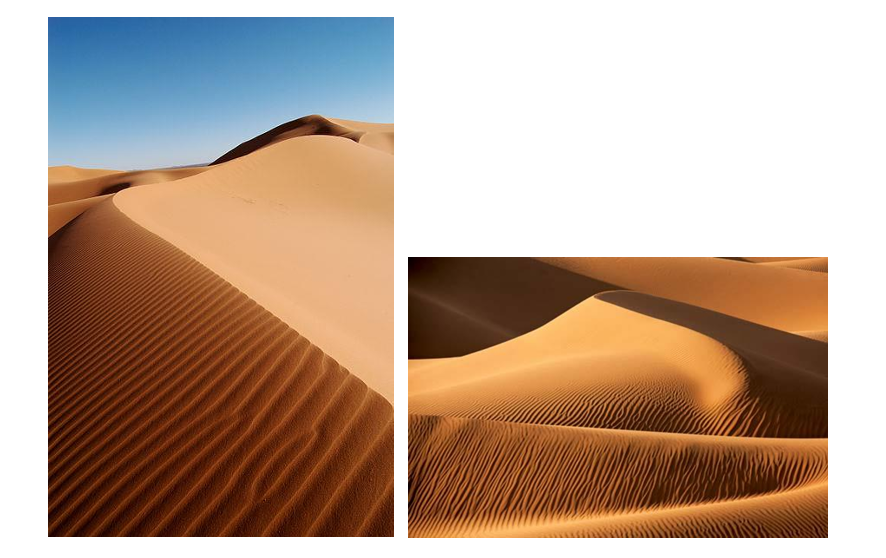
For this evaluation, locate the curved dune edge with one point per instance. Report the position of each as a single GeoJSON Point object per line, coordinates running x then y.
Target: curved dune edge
{"type": "Point", "coordinates": [381, 135]}
{"type": "Point", "coordinates": [774, 296]}
{"type": "Point", "coordinates": [61, 214]}
{"type": "Point", "coordinates": [383, 141]}
{"type": "Point", "coordinates": [459, 306]}
{"type": "Point", "coordinates": [73, 190]}
{"type": "Point", "coordinates": [377, 135]}
{"type": "Point", "coordinates": [478, 478]}
{"type": "Point", "coordinates": [179, 406]}
{"type": "Point", "coordinates": [608, 365]}
{"type": "Point", "coordinates": [806, 264]}
{"type": "Point", "coordinates": [773, 260]}
{"type": "Point", "coordinates": [320, 245]}
{"type": "Point", "coordinates": [817, 335]}
{"type": "Point", "coordinates": [111, 183]}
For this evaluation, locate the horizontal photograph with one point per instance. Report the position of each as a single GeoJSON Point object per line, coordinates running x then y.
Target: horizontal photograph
{"type": "Point", "coordinates": [618, 397]}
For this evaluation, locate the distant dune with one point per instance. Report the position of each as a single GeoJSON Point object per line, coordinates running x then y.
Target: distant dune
{"type": "Point", "coordinates": [221, 347]}
{"type": "Point", "coordinates": [626, 414]}
{"type": "Point", "coordinates": [73, 190]}
{"type": "Point", "coordinates": [67, 173]}
{"type": "Point", "coordinates": [315, 125]}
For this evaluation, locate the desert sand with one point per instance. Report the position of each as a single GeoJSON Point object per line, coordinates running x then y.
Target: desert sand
{"type": "Point", "coordinates": [221, 343]}
{"type": "Point", "coordinates": [617, 397]}
{"type": "Point", "coordinates": [73, 190]}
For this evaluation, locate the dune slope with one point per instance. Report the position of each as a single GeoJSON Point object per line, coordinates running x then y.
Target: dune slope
{"type": "Point", "coordinates": [68, 173]}
{"type": "Point", "coordinates": [179, 406]}
{"type": "Point", "coordinates": [470, 477]}
{"type": "Point", "coordinates": [61, 214]}
{"type": "Point", "coordinates": [461, 305]}
{"type": "Point", "coordinates": [305, 228]}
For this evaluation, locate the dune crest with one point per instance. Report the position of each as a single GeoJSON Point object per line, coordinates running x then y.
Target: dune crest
{"type": "Point", "coordinates": [773, 296]}
{"type": "Point", "coordinates": [316, 125]}
{"type": "Point", "coordinates": [585, 369]}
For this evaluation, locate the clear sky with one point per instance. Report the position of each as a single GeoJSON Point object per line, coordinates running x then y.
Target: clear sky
{"type": "Point", "coordinates": [135, 93]}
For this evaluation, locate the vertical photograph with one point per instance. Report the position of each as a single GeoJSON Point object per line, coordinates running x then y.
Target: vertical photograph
{"type": "Point", "coordinates": [220, 289]}
{"type": "Point", "coordinates": [618, 397]}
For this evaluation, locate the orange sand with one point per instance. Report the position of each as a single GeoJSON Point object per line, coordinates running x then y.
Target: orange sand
{"type": "Point", "coordinates": [628, 414]}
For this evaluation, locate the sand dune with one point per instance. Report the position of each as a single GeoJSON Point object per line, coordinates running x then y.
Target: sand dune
{"type": "Point", "coordinates": [181, 405]}
{"type": "Point", "coordinates": [627, 414]}
{"type": "Point", "coordinates": [585, 369]}
{"type": "Point", "coordinates": [461, 305]}
{"type": "Point", "coordinates": [67, 173]}
{"type": "Point", "coordinates": [382, 135]}
{"type": "Point", "coordinates": [378, 136]}
{"type": "Point", "coordinates": [807, 264]}
{"type": "Point", "coordinates": [772, 296]}
{"type": "Point", "coordinates": [333, 217]}
{"type": "Point", "coordinates": [817, 335]}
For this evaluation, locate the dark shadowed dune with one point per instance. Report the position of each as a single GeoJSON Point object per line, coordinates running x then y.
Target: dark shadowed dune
{"type": "Point", "coordinates": [313, 125]}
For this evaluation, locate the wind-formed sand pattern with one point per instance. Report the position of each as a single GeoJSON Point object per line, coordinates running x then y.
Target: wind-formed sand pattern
{"type": "Point", "coordinates": [220, 342]}
{"type": "Point", "coordinates": [618, 397]}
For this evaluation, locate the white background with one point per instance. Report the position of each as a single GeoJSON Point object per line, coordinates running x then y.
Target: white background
{"type": "Point", "coordinates": [553, 128]}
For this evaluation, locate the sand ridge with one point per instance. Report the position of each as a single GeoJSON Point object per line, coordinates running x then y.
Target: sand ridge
{"type": "Point", "coordinates": [379, 136]}
{"type": "Point", "coordinates": [68, 173]}
{"type": "Point", "coordinates": [773, 296]}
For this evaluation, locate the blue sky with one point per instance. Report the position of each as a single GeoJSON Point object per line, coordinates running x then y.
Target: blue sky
{"type": "Point", "coordinates": [134, 93]}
